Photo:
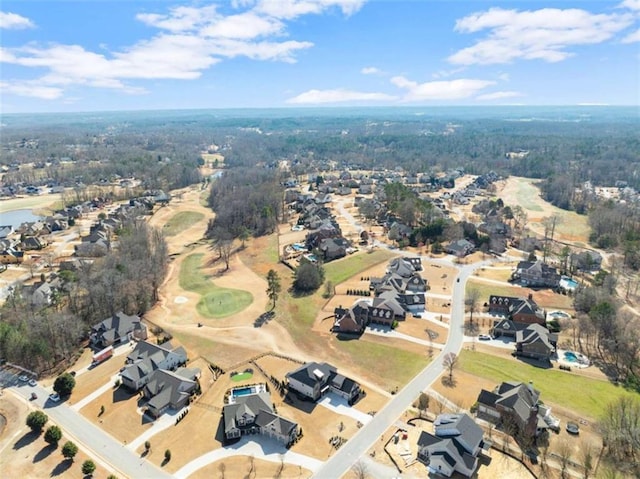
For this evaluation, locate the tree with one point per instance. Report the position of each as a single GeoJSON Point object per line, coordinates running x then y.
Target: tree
{"type": "Point", "coordinates": [53, 435]}
{"type": "Point", "coordinates": [621, 434]}
{"type": "Point", "coordinates": [307, 277]}
{"type": "Point", "coordinates": [36, 421]}
{"type": "Point", "coordinates": [88, 467]}
{"type": "Point", "coordinates": [147, 446]}
{"type": "Point", "coordinates": [244, 235]}
{"type": "Point", "coordinates": [64, 384]}
{"type": "Point", "coordinates": [473, 296]}
{"type": "Point", "coordinates": [359, 470]}
{"type": "Point", "coordinates": [450, 361]}
{"type": "Point", "coordinates": [588, 458]}
{"type": "Point", "coordinates": [69, 450]}
{"type": "Point", "coordinates": [167, 455]}
{"type": "Point", "coordinates": [222, 467]}
{"type": "Point", "coordinates": [273, 286]}
{"type": "Point", "coordinates": [423, 403]}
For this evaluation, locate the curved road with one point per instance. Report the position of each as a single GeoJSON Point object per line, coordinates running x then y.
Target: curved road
{"type": "Point", "coordinates": [349, 454]}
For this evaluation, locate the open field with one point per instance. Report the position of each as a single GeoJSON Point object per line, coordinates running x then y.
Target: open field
{"type": "Point", "coordinates": [557, 387]}
{"type": "Point", "coordinates": [523, 192]}
{"type": "Point", "coordinates": [45, 202]}
{"type": "Point", "coordinates": [215, 302]}
{"type": "Point", "coordinates": [181, 221]}
{"type": "Point", "coordinates": [345, 268]}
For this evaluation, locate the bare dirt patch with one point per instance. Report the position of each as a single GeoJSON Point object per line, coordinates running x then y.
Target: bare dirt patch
{"type": "Point", "coordinates": [239, 466]}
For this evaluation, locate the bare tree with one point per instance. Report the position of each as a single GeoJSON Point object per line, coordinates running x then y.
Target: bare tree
{"type": "Point", "coordinates": [588, 457]}
{"type": "Point", "coordinates": [450, 361]}
{"type": "Point", "coordinates": [222, 467]}
{"type": "Point", "coordinates": [360, 470]}
{"type": "Point", "coordinates": [471, 300]}
{"type": "Point", "coordinates": [423, 403]}
{"type": "Point", "coordinates": [564, 453]}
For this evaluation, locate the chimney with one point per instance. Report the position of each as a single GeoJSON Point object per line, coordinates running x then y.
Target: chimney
{"type": "Point", "coordinates": [530, 296]}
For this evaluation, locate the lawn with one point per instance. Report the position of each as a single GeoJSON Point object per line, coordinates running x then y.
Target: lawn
{"type": "Point", "coordinates": [181, 221]}
{"type": "Point", "coordinates": [563, 389]}
{"type": "Point", "coordinates": [389, 366]}
{"type": "Point", "coordinates": [487, 289]}
{"type": "Point", "coordinates": [241, 377]}
{"type": "Point", "coordinates": [343, 269]}
{"type": "Point", "coordinates": [215, 302]}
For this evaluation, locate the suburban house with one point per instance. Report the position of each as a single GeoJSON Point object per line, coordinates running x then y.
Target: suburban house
{"type": "Point", "coordinates": [507, 327]}
{"type": "Point", "coordinates": [333, 248]}
{"type": "Point", "coordinates": [42, 293]}
{"type": "Point", "coordinates": [454, 447]}
{"type": "Point", "coordinates": [536, 274]}
{"type": "Point", "coordinates": [253, 413]}
{"type": "Point", "coordinates": [168, 389]}
{"type": "Point", "coordinates": [535, 341]}
{"type": "Point", "coordinates": [314, 380]}
{"type": "Point", "coordinates": [519, 310]}
{"type": "Point", "coordinates": [5, 230]}
{"type": "Point", "coordinates": [393, 281]}
{"type": "Point", "coordinates": [116, 329]}
{"type": "Point", "coordinates": [405, 266]}
{"type": "Point", "coordinates": [514, 404]}
{"type": "Point", "coordinates": [384, 309]}
{"type": "Point", "coordinates": [460, 248]}
{"type": "Point", "coordinates": [587, 260]}
{"type": "Point", "coordinates": [147, 358]}
{"type": "Point", "coordinates": [352, 320]}
{"type": "Point", "coordinates": [11, 255]}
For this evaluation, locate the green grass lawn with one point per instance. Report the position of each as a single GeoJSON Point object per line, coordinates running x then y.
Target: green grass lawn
{"type": "Point", "coordinates": [487, 289]}
{"type": "Point", "coordinates": [343, 269]}
{"type": "Point", "coordinates": [585, 396]}
{"type": "Point", "coordinates": [181, 221]}
{"type": "Point", "coordinates": [393, 366]}
{"type": "Point", "coordinates": [528, 195]}
{"type": "Point", "coordinates": [241, 377]}
{"type": "Point", "coordinates": [215, 302]}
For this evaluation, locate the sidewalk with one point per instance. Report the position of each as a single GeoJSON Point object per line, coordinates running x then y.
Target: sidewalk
{"type": "Point", "coordinates": [95, 394]}
{"type": "Point", "coordinates": [165, 421]}
{"type": "Point", "coordinates": [378, 331]}
{"type": "Point", "coordinates": [340, 406]}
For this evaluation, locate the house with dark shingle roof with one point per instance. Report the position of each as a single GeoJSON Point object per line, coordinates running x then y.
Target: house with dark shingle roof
{"type": "Point", "coordinates": [314, 380]}
{"type": "Point", "coordinates": [536, 274]}
{"type": "Point", "coordinates": [454, 447]}
{"type": "Point", "coordinates": [514, 403]}
{"type": "Point", "coordinates": [168, 389]}
{"type": "Point", "coordinates": [116, 329]}
{"type": "Point", "coordinates": [147, 358]}
{"type": "Point", "coordinates": [535, 341]}
{"type": "Point", "coordinates": [519, 310]}
{"type": "Point", "coordinates": [253, 413]}
{"type": "Point", "coordinates": [460, 248]}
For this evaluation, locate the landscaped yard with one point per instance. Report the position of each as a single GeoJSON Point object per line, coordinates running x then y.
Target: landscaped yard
{"type": "Point", "coordinates": [242, 376]}
{"type": "Point", "coordinates": [565, 389]}
{"type": "Point", "coordinates": [215, 302]}
{"type": "Point", "coordinates": [181, 221]}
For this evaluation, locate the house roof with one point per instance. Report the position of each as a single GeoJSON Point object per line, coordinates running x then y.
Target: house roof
{"type": "Point", "coordinates": [259, 406]}
{"type": "Point", "coordinates": [459, 425]}
{"type": "Point", "coordinates": [168, 387]}
{"type": "Point", "coordinates": [312, 373]}
{"type": "Point", "coordinates": [519, 397]}
{"type": "Point", "coordinates": [535, 333]}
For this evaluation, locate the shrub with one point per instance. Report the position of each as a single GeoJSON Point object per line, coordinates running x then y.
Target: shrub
{"type": "Point", "coordinates": [53, 435]}
{"type": "Point", "coordinates": [69, 450]}
{"type": "Point", "coordinates": [64, 384]}
{"type": "Point", "coordinates": [88, 467]}
{"type": "Point", "coordinates": [36, 420]}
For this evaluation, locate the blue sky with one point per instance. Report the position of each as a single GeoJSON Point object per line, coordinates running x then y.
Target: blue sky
{"type": "Point", "coordinates": [93, 55]}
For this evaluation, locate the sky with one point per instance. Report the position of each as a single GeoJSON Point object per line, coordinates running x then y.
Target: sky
{"type": "Point", "coordinates": [99, 55]}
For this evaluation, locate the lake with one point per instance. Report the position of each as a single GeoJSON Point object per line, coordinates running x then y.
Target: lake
{"type": "Point", "coordinates": [16, 217]}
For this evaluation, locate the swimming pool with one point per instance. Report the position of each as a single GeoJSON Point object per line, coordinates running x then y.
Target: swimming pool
{"type": "Point", "coordinates": [298, 247]}
{"type": "Point", "coordinates": [239, 392]}
{"type": "Point", "coordinates": [568, 283]}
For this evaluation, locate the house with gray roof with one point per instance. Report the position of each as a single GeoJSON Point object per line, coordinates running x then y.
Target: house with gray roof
{"type": "Point", "coordinates": [460, 248]}
{"type": "Point", "coordinates": [147, 358]}
{"type": "Point", "coordinates": [314, 380]}
{"type": "Point", "coordinates": [168, 389]}
{"type": "Point", "coordinates": [535, 341]}
{"type": "Point", "coordinates": [253, 414]}
{"type": "Point", "coordinates": [514, 403]}
{"type": "Point", "coordinates": [520, 310]}
{"type": "Point", "coordinates": [116, 329]}
{"type": "Point", "coordinates": [536, 274]}
{"type": "Point", "coordinates": [454, 447]}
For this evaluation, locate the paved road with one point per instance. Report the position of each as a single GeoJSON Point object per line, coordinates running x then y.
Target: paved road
{"type": "Point", "coordinates": [349, 453]}
{"type": "Point", "coordinates": [104, 447]}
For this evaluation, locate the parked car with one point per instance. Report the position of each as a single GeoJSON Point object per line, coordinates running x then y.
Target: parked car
{"type": "Point", "coordinates": [34, 396]}
{"type": "Point", "coordinates": [573, 428]}
{"type": "Point", "coordinates": [33, 382]}
{"type": "Point", "coordinates": [23, 378]}
{"type": "Point", "coordinates": [55, 397]}
{"type": "Point", "coordinates": [484, 337]}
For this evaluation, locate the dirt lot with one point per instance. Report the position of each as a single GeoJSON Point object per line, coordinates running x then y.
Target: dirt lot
{"type": "Point", "coordinates": [240, 466]}
{"type": "Point", "coordinates": [23, 454]}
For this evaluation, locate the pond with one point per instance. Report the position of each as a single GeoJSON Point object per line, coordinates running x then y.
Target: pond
{"type": "Point", "coordinates": [16, 217]}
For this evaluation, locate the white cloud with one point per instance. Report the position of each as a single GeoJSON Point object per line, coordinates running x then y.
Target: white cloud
{"type": "Point", "coordinates": [31, 90]}
{"type": "Point", "coordinates": [504, 77]}
{"type": "Point", "coordinates": [498, 95]}
{"type": "Point", "coordinates": [191, 40]}
{"type": "Point", "coordinates": [440, 90]}
{"type": "Point", "coordinates": [632, 37]}
{"type": "Point", "coordinates": [544, 34]}
{"type": "Point", "coordinates": [447, 73]}
{"type": "Point", "coordinates": [13, 21]}
{"type": "Point", "coordinates": [630, 4]}
{"type": "Point", "coordinates": [338, 96]}
{"type": "Point", "coordinates": [370, 71]}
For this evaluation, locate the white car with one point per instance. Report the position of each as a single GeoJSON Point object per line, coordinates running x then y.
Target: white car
{"type": "Point", "coordinates": [55, 397]}
{"type": "Point", "coordinates": [33, 382]}
{"type": "Point", "coordinates": [484, 337]}
{"type": "Point", "coordinates": [23, 378]}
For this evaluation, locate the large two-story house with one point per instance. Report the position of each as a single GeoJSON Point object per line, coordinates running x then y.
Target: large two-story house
{"type": "Point", "coordinates": [454, 447]}
{"type": "Point", "coordinates": [169, 389]}
{"type": "Point", "coordinates": [147, 358]}
{"type": "Point", "coordinates": [314, 380]}
{"type": "Point", "coordinates": [535, 341]}
{"type": "Point", "coordinates": [117, 329]}
{"type": "Point", "coordinates": [536, 274]}
{"type": "Point", "coordinates": [253, 413]}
